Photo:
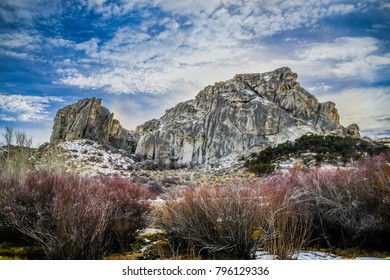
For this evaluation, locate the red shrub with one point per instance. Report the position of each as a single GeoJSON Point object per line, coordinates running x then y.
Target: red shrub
{"type": "Point", "coordinates": [239, 218]}
{"type": "Point", "coordinates": [225, 219]}
{"type": "Point", "coordinates": [130, 204]}
{"type": "Point", "coordinates": [350, 206]}
{"type": "Point", "coordinates": [288, 216]}
{"type": "Point", "coordinates": [73, 217]}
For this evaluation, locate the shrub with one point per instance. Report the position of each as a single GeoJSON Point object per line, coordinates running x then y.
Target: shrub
{"type": "Point", "coordinates": [289, 219]}
{"type": "Point", "coordinates": [329, 148]}
{"type": "Point", "coordinates": [350, 206]}
{"type": "Point", "coordinates": [238, 218]}
{"type": "Point", "coordinates": [72, 217]}
{"type": "Point", "coordinates": [227, 219]}
{"type": "Point", "coordinates": [130, 206]}
{"type": "Point", "coordinates": [344, 207]}
{"type": "Point", "coordinates": [262, 168]}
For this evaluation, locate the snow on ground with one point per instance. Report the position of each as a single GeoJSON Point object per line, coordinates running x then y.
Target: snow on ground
{"type": "Point", "coordinates": [306, 255]}
{"type": "Point", "coordinates": [226, 163]}
{"type": "Point", "coordinates": [150, 231]}
{"type": "Point", "coordinates": [311, 255]}
{"type": "Point", "coordinates": [90, 158]}
{"type": "Point", "coordinates": [315, 256]}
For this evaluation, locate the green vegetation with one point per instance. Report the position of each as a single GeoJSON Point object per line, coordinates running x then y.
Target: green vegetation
{"type": "Point", "coordinates": [314, 148]}
{"type": "Point", "coordinates": [19, 251]}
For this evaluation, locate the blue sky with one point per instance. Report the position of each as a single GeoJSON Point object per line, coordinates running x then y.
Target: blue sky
{"type": "Point", "coordinates": [143, 57]}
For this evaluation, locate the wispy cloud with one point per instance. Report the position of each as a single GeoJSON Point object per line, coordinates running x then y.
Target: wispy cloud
{"type": "Point", "coordinates": [319, 87]}
{"type": "Point", "coordinates": [26, 108]}
{"type": "Point", "coordinates": [345, 57]}
{"type": "Point", "coordinates": [20, 40]}
{"type": "Point", "coordinates": [26, 11]}
{"type": "Point", "coordinates": [368, 107]}
{"type": "Point", "coordinates": [20, 55]}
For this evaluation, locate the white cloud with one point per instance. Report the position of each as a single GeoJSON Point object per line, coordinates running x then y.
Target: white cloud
{"type": "Point", "coordinates": [385, 5]}
{"type": "Point", "coordinates": [25, 108]}
{"type": "Point", "coordinates": [59, 42]}
{"type": "Point", "coordinates": [108, 9]}
{"type": "Point", "coordinates": [345, 57]}
{"type": "Point", "coordinates": [341, 9]}
{"type": "Point", "coordinates": [90, 46]}
{"type": "Point", "coordinates": [25, 11]}
{"type": "Point", "coordinates": [319, 88]}
{"type": "Point", "coordinates": [344, 48]}
{"type": "Point", "coordinates": [15, 54]}
{"type": "Point", "coordinates": [7, 118]}
{"type": "Point", "coordinates": [20, 40]}
{"type": "Point", "coordinates": [367, 107]}
{"type": "Point", "coordinates": [217, 34]}
{"type": "Point", "coordinates": [364, 67]}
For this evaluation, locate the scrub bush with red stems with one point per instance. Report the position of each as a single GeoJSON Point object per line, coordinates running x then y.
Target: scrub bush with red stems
{"type": "Point", "coordinates": [73, 217]}
{"type": "Point", "coordinates": [350, 207]}
{"type": "Point", "coordinates": [237, 219]}
{"type": "Point", "coordinates": [289, 219]}
{"type": "Point", "coordinates": [346, 207]}
{"type": "Point", "coordinates": [225, 219]}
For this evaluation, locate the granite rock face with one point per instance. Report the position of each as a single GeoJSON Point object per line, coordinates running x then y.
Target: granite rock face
{"type": "Point", "coordinates": [224, 121]}
{"type": "Point", "coordinates": [88, 119]}
{"type": "Point", "coordinates": [234, 118]}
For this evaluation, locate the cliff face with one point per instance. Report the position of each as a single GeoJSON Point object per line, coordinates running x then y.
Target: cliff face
{"type": "Point", "coordinates": [224, 121]}
{"type": "Point", "coordinates": [237, 117]}
{"type": "Point", "coordinates": [88, 119]}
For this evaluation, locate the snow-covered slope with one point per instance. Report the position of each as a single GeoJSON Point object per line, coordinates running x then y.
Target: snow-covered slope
{"type": "Point", "coordinates": [87, 157]}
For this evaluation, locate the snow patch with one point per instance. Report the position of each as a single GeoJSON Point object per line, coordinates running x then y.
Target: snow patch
{"type": "Point", "coordinates": [262, 101]}
{"type": "Point", "coordinates": [250, 92]}
{"type": "Point", "coordinates": [91, 158]}
{"type": "Point", "coordinates": [305, 255]}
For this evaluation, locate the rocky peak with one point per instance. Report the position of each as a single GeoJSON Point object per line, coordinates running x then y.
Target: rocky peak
{"type": "Point", "coordinates": [88, 119]}
{"type": "Point", "coordinates": [225, 121]}
{"type": "Point", "coordinates": [236, 117]}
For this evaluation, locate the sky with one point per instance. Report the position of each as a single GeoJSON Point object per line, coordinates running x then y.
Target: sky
{"type": "Point", "coordinates": [142, 57]}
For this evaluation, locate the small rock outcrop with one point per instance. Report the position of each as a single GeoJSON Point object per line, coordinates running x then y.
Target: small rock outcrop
{"type": "Point", "coordinates": [224, 121]}
{"type": "Point", "coordinates": [88, 119]}
{"type": "Point", "coordinates": [353, 130]}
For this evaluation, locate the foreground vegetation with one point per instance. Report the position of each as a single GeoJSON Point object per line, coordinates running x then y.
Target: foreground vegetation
{"type": "Point", "coordinates": [72, 217]}
{"type": "Point", "coordinates": [52, 214]}
{"type": "Point", "coordinates": [342, 208]}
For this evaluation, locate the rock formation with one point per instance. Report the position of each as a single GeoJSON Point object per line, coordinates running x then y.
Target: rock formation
{"type": "Point", "coordinates": [237, 117]}
{"type": "Point", "coordinates": [225, 121]}
{"type": "Point", "coordinates": [88, 119]}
